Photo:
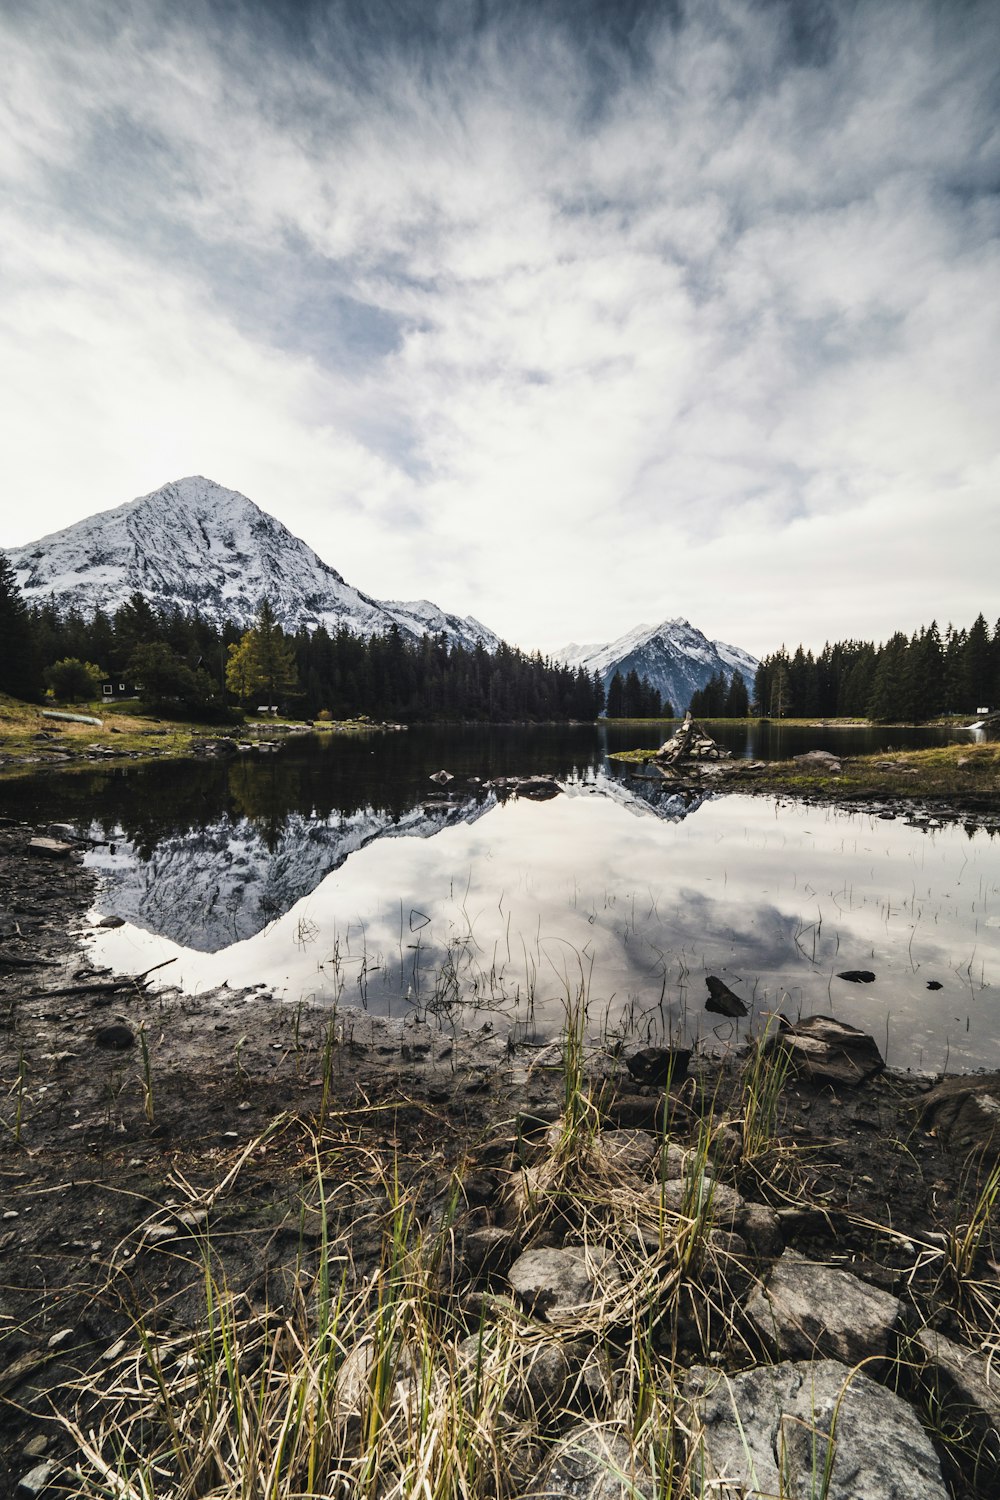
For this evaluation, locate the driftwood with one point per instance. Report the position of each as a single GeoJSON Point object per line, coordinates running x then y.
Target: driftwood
{"type": "Point", "coordinates": [103, 987]}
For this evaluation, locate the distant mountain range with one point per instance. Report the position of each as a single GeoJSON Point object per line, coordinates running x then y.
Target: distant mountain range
{"type": "Point", "coordinates": [197, 545]}
{"type": "Point", "coordinates": [674, 657]}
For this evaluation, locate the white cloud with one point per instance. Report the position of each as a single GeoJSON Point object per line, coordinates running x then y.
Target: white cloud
{"type": "Point", "coordinates": [714, 336]}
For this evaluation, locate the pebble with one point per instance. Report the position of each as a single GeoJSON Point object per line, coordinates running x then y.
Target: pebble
{"type": "Point", "coordinates": [37, 1479]}
{"type": "Point", "coordinates": [58, 1339]}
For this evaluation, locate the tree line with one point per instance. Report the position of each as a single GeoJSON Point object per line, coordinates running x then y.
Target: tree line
{"type": "Point", "coordinates": [906, 679]}
{"type": "Point", "coordinates": [722, 698]}
{"type": "Point", "coordinates": [186, 663]}
{"type": "Point", "coordinates": [634, 697]}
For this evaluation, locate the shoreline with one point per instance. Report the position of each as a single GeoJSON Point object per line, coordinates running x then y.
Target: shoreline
{"type": "Point", "coordinates": [143, 1131]}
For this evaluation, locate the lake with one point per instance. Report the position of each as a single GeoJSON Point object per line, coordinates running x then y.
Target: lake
{"type": "Point", "coordinates": [337, 872]}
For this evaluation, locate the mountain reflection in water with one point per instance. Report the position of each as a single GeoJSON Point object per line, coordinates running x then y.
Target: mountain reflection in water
{"type": "Point", "coordinates": [617, 890]}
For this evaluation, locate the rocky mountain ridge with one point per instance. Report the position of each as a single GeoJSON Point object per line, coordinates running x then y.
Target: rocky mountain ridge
{"type": "Point", "coordinates": [674, 656]}
{"type": "Point", "coordinates": [197, 545]}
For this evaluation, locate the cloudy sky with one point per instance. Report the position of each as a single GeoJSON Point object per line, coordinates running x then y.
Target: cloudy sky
{"type": "Point", "coordinates": [567, 314]}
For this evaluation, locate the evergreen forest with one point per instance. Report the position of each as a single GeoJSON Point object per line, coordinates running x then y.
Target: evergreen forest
{"type": "Point", "coordinates": [187, 664]}
{"type": "Point", "coordinates": [190, 666]}
{"type": "Point", "coordinates": [909, 679]}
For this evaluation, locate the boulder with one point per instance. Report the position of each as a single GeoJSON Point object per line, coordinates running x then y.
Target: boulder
{"type": "Point", "coordinates": [661, 1067]}
{"type": "Point", "coordinates": [560, 1285]}
{"type": "Point", "coordinates": [822, 760]}
{"type": "Point", "coordinates": [965, 1112]}
{"type": "Point", "coordinates": [829, 1051]}
{"type": "Point", "coordinates": [808, 1309]}
{"type": "Point", "coordinates": [50, 848]}
{"type": "Point", "coordinates": [592, 1463]}
{"type": "Point", "coordinates": [802, 1430]}
{"type": "Point", "coordinates": [962, 1389]}
{"type": "Point", "coordinates": [625, 1150]}
{"type": "Point", "coordinates": [755, 1223]}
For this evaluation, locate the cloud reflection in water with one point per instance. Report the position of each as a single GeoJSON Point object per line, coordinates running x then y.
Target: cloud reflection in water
{"type": "Point", "coordinates": [521, 907]}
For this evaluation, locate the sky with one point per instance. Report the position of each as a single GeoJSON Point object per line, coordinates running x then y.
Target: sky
{"type": "Point", "coordinates": [569, 314]}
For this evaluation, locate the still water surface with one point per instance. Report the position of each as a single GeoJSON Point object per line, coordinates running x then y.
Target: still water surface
{"type": "Point", "coordinates": [337, 872]}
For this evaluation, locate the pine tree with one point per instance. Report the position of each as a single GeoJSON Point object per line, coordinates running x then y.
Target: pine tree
{"type": "Point", "coordinates": [927, 674]}
{"type": "Point", "coordinates": [737, 699]}
{"type": "Point", "coordinates": [19, 667]}
{"type": "Point", "coordinates": [976, 667]}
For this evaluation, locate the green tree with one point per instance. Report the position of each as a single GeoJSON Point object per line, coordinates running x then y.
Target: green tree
{"type": "Point", "coordinates": [19, 668]}
{"type": "Point", "coordinates": [927, 674]}
{"type": "Point", "coordinates": [976, 667]}
{"type": "Point", "coordinates": [73, 680]}
{"type": "Point", "coordinates": [263, 661]}
{"type": "Point", "coordinates": [737, 699]}
{"type": "Point", "coordinates": [891, 695]}
{"type": "Point", "coordinates": [167, 683]}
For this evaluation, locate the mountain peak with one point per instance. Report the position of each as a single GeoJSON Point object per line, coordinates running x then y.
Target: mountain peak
{"type": "Point", "coordinates": [194, 544]}
{"type": "Point", "coordinates": [675, 657]}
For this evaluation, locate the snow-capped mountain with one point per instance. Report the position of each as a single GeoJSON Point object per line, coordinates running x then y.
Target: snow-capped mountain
{"type": "Point", "coordinates": [674, 657]}
{"type": "Point", "coordinates": [195, 544]}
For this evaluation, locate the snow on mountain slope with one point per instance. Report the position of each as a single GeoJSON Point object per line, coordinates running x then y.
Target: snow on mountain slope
{"type": "Point", "coordinates": [198, 545]}
{"type": "Point", "coordinates": [674, 656]}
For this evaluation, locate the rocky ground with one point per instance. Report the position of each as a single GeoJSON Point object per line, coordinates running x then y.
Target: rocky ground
{"type": "Point", "coordinates": [746, 1219]}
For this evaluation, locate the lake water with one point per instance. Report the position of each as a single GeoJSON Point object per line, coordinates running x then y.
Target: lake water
{"type": "Point", "coordinates": [337, 872]}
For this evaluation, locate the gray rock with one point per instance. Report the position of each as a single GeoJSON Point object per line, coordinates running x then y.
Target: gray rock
{"type": "Point", "coordinates": [761, 1228]}
{"type": "Point", "coordinates": [592, 1463]}
{"type": "Point", "coordinates": [561, 1284]}
{"type": "Point", "coordinates": [489, 1250]}
{"type": "Point", "coordinates": [767, 1432]}
{"type": "Point", "coordinates": [721, 1204]}
{"type": "Point", "coordinates": [64, 831]}
{"type": "Point", "coordinates": [674, 1162]}
{"type": "Point", "coordinates": [965, 1112]}
{"type": "Point", "coordinates": [626, 1150]}
{"type": "Point", "coordinates": [829, 1051]}
{"type": "Point", "coordinates": [50, 848]}
{"type": "Point", "coordinates": [534, 1386]}
{"type": "Point", "coordinates": [963, 1391]}
{"type": "Point", "coordinates": [808, 1309]}
{"type": "Point", "coordinates": [659, 1067]}
{"type": "Point", "coordinates": [821, 759]}
{"type": "Point", "coordinates": [37, 1479]}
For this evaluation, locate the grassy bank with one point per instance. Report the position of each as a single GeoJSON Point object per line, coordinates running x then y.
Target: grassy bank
{"type": "Point", "coordinates": [29, 740]}
{"type": "Point", "coordinates": [957, 772]}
